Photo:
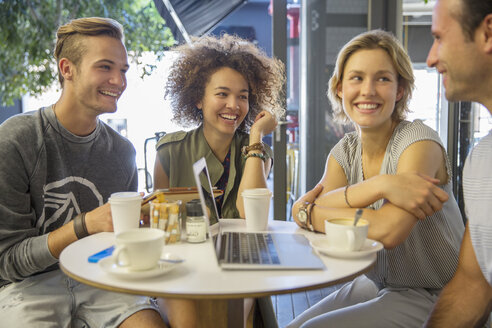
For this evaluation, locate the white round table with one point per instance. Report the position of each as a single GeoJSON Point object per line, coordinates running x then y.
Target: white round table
{"type": "Point", "coordinates": [200, 276]}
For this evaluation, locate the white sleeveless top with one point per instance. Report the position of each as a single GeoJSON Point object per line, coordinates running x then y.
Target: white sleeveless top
{"type": "Point", "coordinates": [477, 192]}
{"type": "Point", "coordinates": [429, 256]}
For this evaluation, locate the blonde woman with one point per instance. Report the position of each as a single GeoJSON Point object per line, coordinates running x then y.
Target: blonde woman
{"type": "Point", "coordinates": [398, 172]}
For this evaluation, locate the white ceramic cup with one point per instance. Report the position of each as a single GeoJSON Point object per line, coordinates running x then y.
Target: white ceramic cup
{"type": "Point", "coordinates": [125, 210]}
{"type": "Point", "coordinates": [138, 249]}
{"type": "Point", "coordinates": [342, 234]}
{"type": "Point", "coordinates": [256, 208]}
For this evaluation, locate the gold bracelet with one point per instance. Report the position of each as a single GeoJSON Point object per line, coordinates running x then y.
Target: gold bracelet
{"type": "Point", "coordinates": [345, 194]}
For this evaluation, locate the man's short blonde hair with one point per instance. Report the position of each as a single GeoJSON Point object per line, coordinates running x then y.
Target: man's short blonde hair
{"type": "Point", "coordinates": [69, 37]}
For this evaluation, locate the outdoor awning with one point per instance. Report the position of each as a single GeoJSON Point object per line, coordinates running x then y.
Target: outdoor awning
{"type": "Point", "coordinates": [194, 17]}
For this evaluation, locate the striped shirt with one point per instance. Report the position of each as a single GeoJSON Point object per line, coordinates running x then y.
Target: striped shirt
{"type": "Point", "coordinates": [477, 191]}
{"type": "Point", "coordinates": [429, 256]}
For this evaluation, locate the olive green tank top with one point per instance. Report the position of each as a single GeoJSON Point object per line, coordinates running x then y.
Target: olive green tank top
{"type": "Point", "coordinates": [179, 150]}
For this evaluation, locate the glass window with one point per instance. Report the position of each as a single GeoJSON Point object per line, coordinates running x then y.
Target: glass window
{"type": "Point", "coordinates": [424, 102]}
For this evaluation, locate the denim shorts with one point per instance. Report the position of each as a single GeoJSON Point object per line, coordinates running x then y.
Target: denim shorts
{"type": "Point", "coordinates": [54, 300]}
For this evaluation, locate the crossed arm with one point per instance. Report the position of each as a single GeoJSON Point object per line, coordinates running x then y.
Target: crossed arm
{"type": "Point", "coordinates": [410, 195]}
{"type": "Point", "coordinates": [466, 301]}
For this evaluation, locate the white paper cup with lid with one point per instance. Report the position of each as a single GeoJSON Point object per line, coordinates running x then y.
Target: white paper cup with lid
{"type": "Point", "coordinates": [125, 210]}
{"type": "Point", "coordinates": [256, 208]}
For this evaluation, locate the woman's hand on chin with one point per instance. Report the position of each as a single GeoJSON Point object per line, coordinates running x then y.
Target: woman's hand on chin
{"type": "Point", "coordinates": [264, 124]}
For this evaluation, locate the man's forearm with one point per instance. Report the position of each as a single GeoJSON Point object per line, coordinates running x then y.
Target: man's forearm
{"type": "Point", "coordinates": [466, 301]}
{"type": "Point", "coordinates": [455, 309]}
{"type": "Point", "coordinates": [61, 238]}
{"type": "Point", "coordinates": [462, 303]}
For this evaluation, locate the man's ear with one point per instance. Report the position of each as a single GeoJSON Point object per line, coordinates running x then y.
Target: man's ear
{"type": "Point", "coordinates": [66, 68]}
{"type": "Point", "coordinates": [486, 29]}
{"type": "Point", "coordinates": [199, 105]}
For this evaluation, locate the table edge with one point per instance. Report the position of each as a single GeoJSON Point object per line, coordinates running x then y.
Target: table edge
{"type": "Point", "coordinates": [214, 296]}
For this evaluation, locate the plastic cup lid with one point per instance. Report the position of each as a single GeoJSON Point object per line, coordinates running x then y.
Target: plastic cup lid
{"type": "Point", "coordinates": [256, 192]}
{"type": "Point", "coordinates": [125, 196]}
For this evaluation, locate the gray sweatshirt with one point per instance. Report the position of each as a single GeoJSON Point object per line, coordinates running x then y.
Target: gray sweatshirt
{"type": "Point", "coordinates": [48, 176]}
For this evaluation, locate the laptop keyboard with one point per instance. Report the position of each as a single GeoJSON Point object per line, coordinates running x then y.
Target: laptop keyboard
{"type": "Point", "coordinates": [248, 248]}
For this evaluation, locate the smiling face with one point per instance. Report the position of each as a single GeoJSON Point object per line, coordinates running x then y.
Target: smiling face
{"type": "Point", "coordinates": [369, 88]}
{"type": "Point", "coordinates": [98, 81]}
{"type": "Point", "coordinates": [455, 57]}
{"type": "Point", "coordinates": [225, 102]}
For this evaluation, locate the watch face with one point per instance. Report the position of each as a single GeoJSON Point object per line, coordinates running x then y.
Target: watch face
{"type": "Point", "coordinates": [302, 215]}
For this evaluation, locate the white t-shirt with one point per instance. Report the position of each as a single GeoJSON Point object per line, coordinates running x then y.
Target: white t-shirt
{"type": "Point", "coordinates": [477, 191]}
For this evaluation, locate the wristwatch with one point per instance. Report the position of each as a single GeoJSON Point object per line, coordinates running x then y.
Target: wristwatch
{"type": "Point", "coordinates": [304, 215]}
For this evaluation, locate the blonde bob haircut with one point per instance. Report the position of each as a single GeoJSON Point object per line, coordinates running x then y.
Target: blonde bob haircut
{"type": "Point", "coordinates": [70, 37]}
{"type": "Point", "coordinates": [376, 39]}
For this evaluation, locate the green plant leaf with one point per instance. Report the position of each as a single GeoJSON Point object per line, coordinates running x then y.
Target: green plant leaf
{"type": "Point", "coordinates": [27, 38]}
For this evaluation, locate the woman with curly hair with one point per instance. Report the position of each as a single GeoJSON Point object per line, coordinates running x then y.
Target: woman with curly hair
{"type": "Point", "coordinates": [227, 87]}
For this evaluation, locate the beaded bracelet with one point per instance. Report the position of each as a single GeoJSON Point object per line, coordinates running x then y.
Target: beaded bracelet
{"type": "Point", "coordinates": [256, 146]}
{"type": "Point", "coordinates": [79, 226]}
{"type": "Point", "coordinates": [259, 155]}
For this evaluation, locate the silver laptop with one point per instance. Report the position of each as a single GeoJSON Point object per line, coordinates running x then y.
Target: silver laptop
{"type": "Point", "coordinates": [253, 250]}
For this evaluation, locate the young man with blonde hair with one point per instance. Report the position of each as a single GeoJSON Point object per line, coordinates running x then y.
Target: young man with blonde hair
{"type": "Point", "coordinates": [58, 167]}
{"type": "Point", "coordinates": [462, 53]}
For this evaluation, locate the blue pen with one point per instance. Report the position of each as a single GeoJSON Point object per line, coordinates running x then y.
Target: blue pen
{"type": "Point", "coordinates": [102, 254]}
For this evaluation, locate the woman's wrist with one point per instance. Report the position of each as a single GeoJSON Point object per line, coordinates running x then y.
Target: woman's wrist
{"type": "Point", "coordinates": [255, 137]}
{"type": "Point", "coordinates": [383, 184]}
{"type": "Point", "coordinates": [258, 147]}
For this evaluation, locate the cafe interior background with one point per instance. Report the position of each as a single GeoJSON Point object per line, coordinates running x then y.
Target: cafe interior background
{"type": "Point", "coordinates": [306, 35]}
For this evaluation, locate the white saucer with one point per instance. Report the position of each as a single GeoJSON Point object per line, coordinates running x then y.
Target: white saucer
{"type": "Point", "coordinates": [370, 247]}
{"type": "Point", "coordinates": [108, 266]}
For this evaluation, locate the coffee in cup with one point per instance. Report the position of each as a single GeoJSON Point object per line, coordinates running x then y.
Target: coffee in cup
{"type": "Point", "coordinates": [343, 235]}
{"type": "Point", "coordinates": [138, 249]}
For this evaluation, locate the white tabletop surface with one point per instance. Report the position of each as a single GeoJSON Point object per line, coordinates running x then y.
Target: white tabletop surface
{"type": "Point", "coordinates": [201, 277]}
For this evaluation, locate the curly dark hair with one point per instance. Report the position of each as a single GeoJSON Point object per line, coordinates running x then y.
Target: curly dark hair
{"type": "Point", "coordinates": [196, 63]}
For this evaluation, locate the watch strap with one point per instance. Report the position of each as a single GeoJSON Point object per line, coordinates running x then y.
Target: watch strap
{"type": "Point", "coordinates": [309, 210]}
{"type": "Point", "coordinates": [306, 207]}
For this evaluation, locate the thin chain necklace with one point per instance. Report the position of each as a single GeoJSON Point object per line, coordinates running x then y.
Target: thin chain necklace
{"type": "Point", "coordinates": [67, 161]}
